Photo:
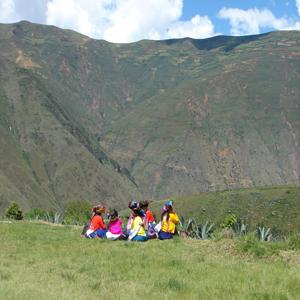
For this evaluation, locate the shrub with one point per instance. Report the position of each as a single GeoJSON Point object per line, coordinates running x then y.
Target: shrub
{"type": "Point", "coordinates": [14, 212]}
{"type": "Point", "coordinates": [35, 214]}
{"type": "Point", "coordinates": [77, 213]}
{"type": "Point", "coordinates": [229, 221]}
{"type": "Point", "coordinates": [43, 215]}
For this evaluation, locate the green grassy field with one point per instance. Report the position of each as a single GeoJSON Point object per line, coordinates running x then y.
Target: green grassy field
{"type": "Point", "coordinates": [39, 261]}
{"type": "Point", "coordinates": [275, 207]}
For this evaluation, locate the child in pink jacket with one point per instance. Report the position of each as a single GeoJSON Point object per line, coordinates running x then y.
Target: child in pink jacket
{"type": "Point", "coordinates": [114, 226]}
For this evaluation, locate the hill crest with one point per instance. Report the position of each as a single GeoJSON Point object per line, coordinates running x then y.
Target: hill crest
{"type": "Point", "coordinates": [84, 118]}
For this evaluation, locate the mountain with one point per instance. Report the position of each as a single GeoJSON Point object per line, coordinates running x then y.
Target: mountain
{"type": "Point", "coordinates": [48, 158]}
{"type": "Point", "coordinates": [87, 119]}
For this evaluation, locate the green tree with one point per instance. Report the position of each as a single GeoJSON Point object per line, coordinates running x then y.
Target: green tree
{"type": "Point", "coordinates": [14, 212]}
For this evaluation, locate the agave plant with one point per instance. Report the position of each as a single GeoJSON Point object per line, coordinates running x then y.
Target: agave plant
{"type": "Point", "coordinates": [205, 231]}
{"type": "Point", "coordinates": [48, 217]}
{"type": "Point", "coordinates": [58, 218]}
{"type": "Point", "coordinates": [187, 227]}
{"type": "Point", "coordinates": [240, 228]}
{"type": "Point", "coordinates": [264, 234]}
{"type": "Point", "coordinates": [55, 218]}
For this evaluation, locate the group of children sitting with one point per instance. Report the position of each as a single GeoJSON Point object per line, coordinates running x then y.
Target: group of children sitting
{"type": "Point", "coordinates": [141, 224]}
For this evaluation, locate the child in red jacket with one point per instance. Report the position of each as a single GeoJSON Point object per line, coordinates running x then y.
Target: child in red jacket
{"type": "Point", "coordinates": [96, 227]}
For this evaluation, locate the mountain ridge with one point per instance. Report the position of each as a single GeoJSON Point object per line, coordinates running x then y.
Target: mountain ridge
{"type": "Point", "coordinates": [157, 117]}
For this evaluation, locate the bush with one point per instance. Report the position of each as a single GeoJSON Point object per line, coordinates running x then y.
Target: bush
{"type": "Point", "coordinates": [229, 221]}
{"type": "Point", "coordinates": [77, 213]}
{"type": "Point", "coordinates": [14, 212]}
{"type": "Point", "coordinates": [35, 214]}
{"type": "Point", "coordinates": [44, 215]}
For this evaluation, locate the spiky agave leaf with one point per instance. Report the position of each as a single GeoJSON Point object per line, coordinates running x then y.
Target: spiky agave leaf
{"type": "Point", "coordinates": [243, 229]}
{"type": "Point", "coordinates": [58, 218]}
{"type": "Point", "coordinates": [264, 234]}
{"type": "Point", "coordinates": [205, 230]}
{"type": "Point", "coordinates": [240, 228]}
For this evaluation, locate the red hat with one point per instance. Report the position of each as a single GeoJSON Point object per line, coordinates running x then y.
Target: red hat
{"type": "Point", "coordinates": [98, 209]}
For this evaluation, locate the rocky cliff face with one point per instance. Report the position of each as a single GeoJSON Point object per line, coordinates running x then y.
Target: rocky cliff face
{"type": "Point", "coordinates": [48, 155]}
{"type": "Point", "coordinates": [86, 119]}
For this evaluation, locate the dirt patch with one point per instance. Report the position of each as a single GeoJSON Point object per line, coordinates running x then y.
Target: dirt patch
{"type": "Point", "coordinates": [290, 256]}
{"type": "Point", "coordinates": [94, 106]}
{"type": "Point", "coordinates": [25, 62]}
{"type": "Point", "coordinates": [205, 99]}
{"type": "Point", "coordinates": [65, 68]}
{"type": "Point", "coordinates": [177, 168]}
{"type": "Point", "coordinates": [295, 54]}
{"type": "Point", "coordinates": [224, 153]}
{"type": "Point", "coordinates": [229, 68]}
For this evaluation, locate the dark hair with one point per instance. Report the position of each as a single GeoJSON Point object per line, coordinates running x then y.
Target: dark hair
{"type": "Point", "coordinates": [98, 209]}
{"type": "Point", "coordinates": [139, 212]}
{"type": "Point", "coordinates": [113, 213]}
{"type": "Point", "coordinates": [144, 204]}
{"type": "Point", "coordinates": [166, 212]}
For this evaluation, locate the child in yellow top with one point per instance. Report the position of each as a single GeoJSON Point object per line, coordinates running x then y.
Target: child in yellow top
{"type": "Point", "coordinates": [169, 220]}
{"type": "Point", "coordinates": [137, 229]}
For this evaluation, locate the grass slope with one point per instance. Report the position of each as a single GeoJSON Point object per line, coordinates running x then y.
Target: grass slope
{"type": "Point", "coordinates": [39, 261]}
{"type": "Point", "coordinates": [276, 207]}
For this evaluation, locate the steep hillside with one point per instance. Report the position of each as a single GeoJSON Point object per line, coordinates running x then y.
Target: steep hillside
{"type": "Point", "coordinates": [231, 120]}
{"type": "Point", "coordinates": [87, 119]}
{"type": "Point", "coordinates": [47, 156]}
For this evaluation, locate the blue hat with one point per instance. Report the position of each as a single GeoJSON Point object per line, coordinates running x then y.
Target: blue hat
{"type": "Point", "coordinates": [169, 203]}
{"type": "Point", "coordinates": [133, 205]}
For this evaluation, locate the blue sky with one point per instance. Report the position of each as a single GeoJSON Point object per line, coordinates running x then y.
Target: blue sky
{"type": "Point", "coordinates": [280, 8]}
{"type": "Point", "coordinates": [132, 20]}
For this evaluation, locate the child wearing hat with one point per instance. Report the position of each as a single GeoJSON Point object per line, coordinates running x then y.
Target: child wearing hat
{"type": "Point", "coordinates": [137, 230]}
{"type": "Point", "coordinates": [96, 226]}
{"type": "Point", "coordinates": [169, 220]}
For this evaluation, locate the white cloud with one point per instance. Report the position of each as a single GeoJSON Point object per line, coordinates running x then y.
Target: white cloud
{"type": "Point", "coordinates": [16, 10]}
{"type": "Point", "coordinates": [137, 19]}
{"type": "Point", "coordinates": [293, 26]}
{"type": "Point", "coordinates": [7, 9]}
{"type": "Point", "coordinates": [197, 27]}
{"type": "Point", "coordinates": [127, 21]}
{"type": "Point", "coordinates": [298, 6]}
{"type": "Point", "coordinates": [84, 16]}
{"type": "Point", "coordinates": [132, 20]}
{"type": "Point", "coordinates": [113, 20]}
{"type": "Point", "coordinates": [251, 21]}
